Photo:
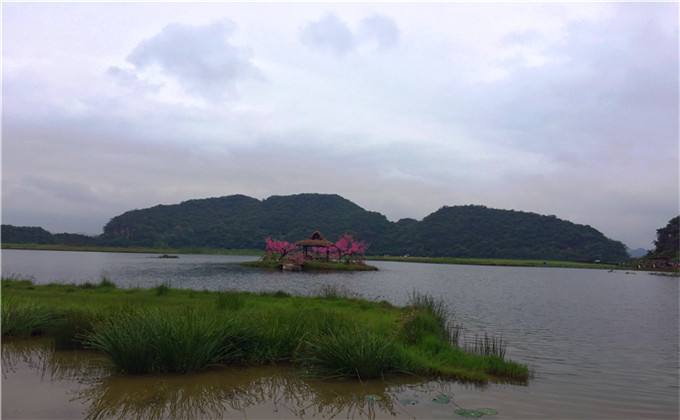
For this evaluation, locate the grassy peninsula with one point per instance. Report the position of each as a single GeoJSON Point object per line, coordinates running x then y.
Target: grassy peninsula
{"type": "Point", "coordinates": [330, 334]}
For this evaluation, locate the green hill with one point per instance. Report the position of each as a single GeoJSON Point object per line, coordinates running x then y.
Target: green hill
{"type": "Point", "coordinates": [241, 222]}
{"type": "Point", "coordinates": [478, 231]}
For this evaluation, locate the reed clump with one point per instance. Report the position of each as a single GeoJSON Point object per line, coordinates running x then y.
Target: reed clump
{"type": "Point", "coordinates": [155, 341]}
{"type": "Point", "coordinates": [351, 351]}
{"type": "Point", "coordinates": [24, 318]}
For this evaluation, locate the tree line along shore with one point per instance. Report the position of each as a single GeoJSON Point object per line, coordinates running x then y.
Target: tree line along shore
{"type": "Point", "coordinates": [255, 252]}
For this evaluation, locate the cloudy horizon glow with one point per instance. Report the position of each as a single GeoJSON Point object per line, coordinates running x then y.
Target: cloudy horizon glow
{"type": "Point", "coordinates": [566, 109]}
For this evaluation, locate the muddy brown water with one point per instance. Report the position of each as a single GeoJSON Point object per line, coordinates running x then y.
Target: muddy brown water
{"type": "Point", "coordinates": [39, 382]}
{"type": "Point", "coordinates": [603, 345]}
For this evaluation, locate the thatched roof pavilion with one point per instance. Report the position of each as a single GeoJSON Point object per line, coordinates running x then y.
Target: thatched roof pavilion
{"type": "Point", "coordinates": [316, 240]}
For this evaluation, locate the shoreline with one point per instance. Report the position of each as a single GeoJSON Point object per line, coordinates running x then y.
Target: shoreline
{"type": "Point", "coordinates": [255, 253]}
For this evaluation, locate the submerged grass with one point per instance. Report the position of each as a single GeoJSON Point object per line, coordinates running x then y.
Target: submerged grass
{"type": "Point", "coordinates": [332, 333]}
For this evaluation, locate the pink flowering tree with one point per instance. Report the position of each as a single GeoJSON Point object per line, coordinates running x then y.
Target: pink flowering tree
{"type": "Point", "coordinates": [349, 249]}
{"type": "Point", "coordinates": [296, 257]}
{"type": "Point", "coordinates": [277, 249]}
{"type": "Point", "coordinates": [320, 252]}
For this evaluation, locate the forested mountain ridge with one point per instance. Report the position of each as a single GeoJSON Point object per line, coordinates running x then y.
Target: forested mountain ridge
{"type": "Point", "coordinates": [238, 221]}
{"type": "Point", "coordinates": [241, 222]}
{"type": "Point", "coordinates": [462, 231]}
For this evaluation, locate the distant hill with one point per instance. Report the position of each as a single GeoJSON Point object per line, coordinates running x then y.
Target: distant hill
{"type": "Point", "coordinates": [241, 222]}
{"type": "Point", "coordinates": [37, 235]}
{"type": "Point", "coordinates": [637, 253]}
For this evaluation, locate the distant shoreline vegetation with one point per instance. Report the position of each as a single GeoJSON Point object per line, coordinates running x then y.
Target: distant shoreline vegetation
{"type": "Point", "coordinates": [255, 253]}
{"type": "Point", "coordinates": [132, 250]}
{"type": "Point", "coordinates": [241, 222]}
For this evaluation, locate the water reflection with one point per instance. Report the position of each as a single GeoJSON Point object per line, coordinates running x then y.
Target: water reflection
{"type": "Point", "coordinates": [233, 392]}
{"type": "Point", "coordinates": [38, 355]}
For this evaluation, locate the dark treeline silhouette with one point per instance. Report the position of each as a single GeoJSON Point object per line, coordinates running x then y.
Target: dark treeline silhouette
{"type": "Point", "coordinates": [241, 222]}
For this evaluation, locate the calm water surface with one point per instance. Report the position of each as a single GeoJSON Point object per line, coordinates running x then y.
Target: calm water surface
{"type": "Point", "coordinates": [602, 344]}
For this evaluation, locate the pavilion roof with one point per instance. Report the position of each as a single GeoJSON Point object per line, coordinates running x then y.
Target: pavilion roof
{"type": "Point", "coordinates": [316, 239]}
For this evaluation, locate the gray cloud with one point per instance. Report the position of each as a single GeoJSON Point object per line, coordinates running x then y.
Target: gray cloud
{"type": "Point", "coordinates": [129, 78]}
{"type": "Point", "coordinates": [382, 29]}
{"type": "Point", "coordinates": [334, 35]}
{"type": "Point", "coordinates": [60, 190]}
{"type": "Point", "coordinates": [329, 33]}
{"type": "Point", "coordinates": [201, 58]}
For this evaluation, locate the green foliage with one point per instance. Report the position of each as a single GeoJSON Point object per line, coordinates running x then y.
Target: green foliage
{"type": "Point", "coordinates": [354, 352]}
{"type": "Point", "coordinates": [668, 240]}
{"type": "Point", "coordinates": [68, 327]}
{"type": "Point", "coordinates": [154, 341]}
{"type": "Point", "coordinates": [487, 346]}
{"type": "Point", "coordinates": [105, 282]}
{"type": "Point", "coordinates": [231, 301]}
{"type": "Point", "coordinates": [26, 235]}
{"type": "Point", "coordinates": [37, 235]}
{"type": "Point", "coordinates": [335, 291]}
{"type": "Point", "coordinates": [480, 232]}
{"type": "Point", "coordinates": [240, 222]}
{"type": "Point", "coordinates": [187, 330]}
{"type": "Point", "coordinates": [162, 289]}
{"type": "Point", "coordinates": [25, 318]}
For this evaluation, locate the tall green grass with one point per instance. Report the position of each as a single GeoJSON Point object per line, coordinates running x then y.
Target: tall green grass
{"type": "Point", "coordinates": [333, 333]}
{"type": "Point", "coordinates": [232, 301]}
{"type": "Point", "coordinates": [162, 289]}
{"type": "Point", "coordinates": [429, 316]}
{"type": "Point", "coordinates": [354, 352]}
{"type": "Point", "coordinates": [23, 319]}
{"type": "Point", "coordinates": [154, 341]}
{"type": "Point", "coordinates": [487, 346]}
{"type": "Point", "coordinates": [73, 323]}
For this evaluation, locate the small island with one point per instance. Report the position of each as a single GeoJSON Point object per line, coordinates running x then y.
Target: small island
{"type": "Point", "coordinates": [317, 254]}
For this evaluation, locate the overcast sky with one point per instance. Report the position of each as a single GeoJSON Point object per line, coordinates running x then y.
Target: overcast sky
{"type": "Point", "coordinates": [559, 109]}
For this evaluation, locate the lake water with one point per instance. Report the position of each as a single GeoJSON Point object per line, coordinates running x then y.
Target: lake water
{"type": "Point", "coordinates": [602, 344]}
